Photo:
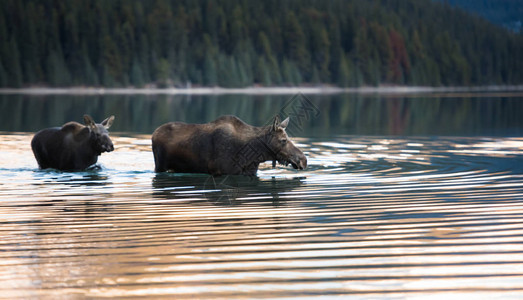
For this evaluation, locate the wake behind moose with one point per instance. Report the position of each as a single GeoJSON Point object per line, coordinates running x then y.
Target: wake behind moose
{"type": "Point", "coordinates": [72, 147]}
{"type": "Point", "coordinates": [226, 146]}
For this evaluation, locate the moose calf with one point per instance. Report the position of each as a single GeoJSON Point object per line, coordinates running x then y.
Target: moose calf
{"type": "Point", "coordinates": [72, 147]}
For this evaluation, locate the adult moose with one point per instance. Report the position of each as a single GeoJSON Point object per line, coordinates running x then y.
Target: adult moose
{"type": "Point", "coordinates": [73, 146]}
{"type": "Point", "coordinates": [226, 146]}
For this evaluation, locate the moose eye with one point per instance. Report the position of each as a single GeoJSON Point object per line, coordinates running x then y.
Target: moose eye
{"type": "Point", "coordinates": [283, 141]}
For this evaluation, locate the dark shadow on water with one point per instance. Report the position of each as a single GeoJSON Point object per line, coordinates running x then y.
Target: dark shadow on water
{"type": "Point", "coordinates": [228, 190]}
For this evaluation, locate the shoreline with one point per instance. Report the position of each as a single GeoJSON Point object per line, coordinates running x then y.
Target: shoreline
{"type": "Point", "coordinates": [257, 90]}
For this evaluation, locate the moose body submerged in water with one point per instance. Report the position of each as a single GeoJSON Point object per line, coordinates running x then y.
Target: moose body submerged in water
{"type": "Point", "coordinates": [72, 147]}
{"type": "Point", "coordinates": [226, 146]}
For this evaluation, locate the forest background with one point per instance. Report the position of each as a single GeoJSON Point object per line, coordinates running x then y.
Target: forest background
{"type": "Point", "coordinates": [238, 43]}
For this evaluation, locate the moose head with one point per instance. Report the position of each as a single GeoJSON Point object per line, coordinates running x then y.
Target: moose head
{"type": "Point", "coordinates": [282, 148]}
{"type": "Point", "coordinates": [98, 134]}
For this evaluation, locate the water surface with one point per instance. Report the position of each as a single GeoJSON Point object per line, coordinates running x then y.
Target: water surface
{"type": "Point", "coordinates": [454, 114]}
{"type": "Point", "coordinates": [373, 216]}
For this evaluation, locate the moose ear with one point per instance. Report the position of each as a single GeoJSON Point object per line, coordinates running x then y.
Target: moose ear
{"type": "Point", "coordinates": [285, 123]}
{"type": "Point", "coordinates": [89, 122]}
{"type": "Point", "coordinates": [276, 122]}
{"type": "Point", "coordinates": [108, 122]}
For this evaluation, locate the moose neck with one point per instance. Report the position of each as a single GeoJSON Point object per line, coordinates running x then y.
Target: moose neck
{"type": "Point", "coordinates": [261, 143]}
{"type": "Point", "coordinates": [89, 145]}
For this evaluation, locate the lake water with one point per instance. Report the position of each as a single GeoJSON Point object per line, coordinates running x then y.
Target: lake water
{"type": "Point", "coordinates": [405, 196]}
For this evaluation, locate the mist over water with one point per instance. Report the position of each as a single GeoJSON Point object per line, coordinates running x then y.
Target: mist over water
{"type": "Point", "coordinates": [402, 197]}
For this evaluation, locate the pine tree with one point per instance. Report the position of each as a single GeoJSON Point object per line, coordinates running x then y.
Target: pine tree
{"type": "Point", "coordinates": [137, 74]}
{"type": "Point", "coordinates": [4, 82]}
{"type": "Point", "coordinates": [57, 72]}
{"type": "Point", "coordinates": [343, 76]}
{"type": "Point", "coordinates": [163, 69]}
{"type": "Point", "coordinates": [296, 47]}
{"type": "Point", "coordinates": [399, 64]}
{"type": "Point", "coordinates": [210, 77]}
{"type": "Point", "coordinates": [13, 65]}
{"type": "Point", "coordinates": [321, 51]}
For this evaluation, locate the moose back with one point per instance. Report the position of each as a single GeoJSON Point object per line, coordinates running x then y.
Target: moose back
{"type": "Point", "coordinates": [73, 146]}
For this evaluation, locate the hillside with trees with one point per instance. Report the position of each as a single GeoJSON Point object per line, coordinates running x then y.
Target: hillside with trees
{"type": "Point", "coordinates": [237, 43]}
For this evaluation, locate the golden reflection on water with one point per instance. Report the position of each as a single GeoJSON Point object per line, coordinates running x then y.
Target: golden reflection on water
{"type": "Point", "coordinates": [371, 217]}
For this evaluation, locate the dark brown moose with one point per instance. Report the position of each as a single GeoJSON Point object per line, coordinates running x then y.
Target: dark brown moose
{"type": "Point", "coordinates": [72, 147]}
{"type": "Point", "coordinates": [226, 146]}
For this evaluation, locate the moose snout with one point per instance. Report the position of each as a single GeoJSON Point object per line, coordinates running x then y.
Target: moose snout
{"type": "Point", "coordinates": [299, 162]}
{"type": "Point", "coordinates": [302, 162]}
{"type": "Point", "coordinates": [108, 147]}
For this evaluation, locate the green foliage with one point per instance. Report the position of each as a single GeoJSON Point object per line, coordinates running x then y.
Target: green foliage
{"type": "Point", "coordinates": [343, 75]}
{"type": "Point", "coordinates": [210, 73]}
{"type": "Point", "coordinates": [236, 43]}
{"type": "Point", "coordinates": [137, 78]}
{"type": "Point", "coordinates": [57, 71]}
{"type": "Point", "coordinates": [163, 72]}
{"type": "Point", "coordinates": [3, 76]}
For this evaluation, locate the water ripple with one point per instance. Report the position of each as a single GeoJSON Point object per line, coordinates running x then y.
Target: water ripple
{"type": "Point", "coordinates": [371, 217]}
